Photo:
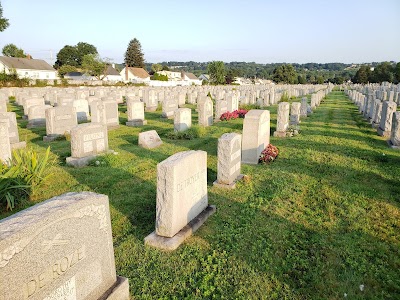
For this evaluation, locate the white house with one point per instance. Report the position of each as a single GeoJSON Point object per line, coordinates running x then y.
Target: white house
{"type": "Point", "coordinates": [27, 68]}
{"type": "Point", "coordinates": [112, 74]}
{"type": "Point", "coordinates": [172, 76]}
{"type": "Point", "coordinates": [137, 75]}
{"type": "Point", "coordinates": [191, 78]}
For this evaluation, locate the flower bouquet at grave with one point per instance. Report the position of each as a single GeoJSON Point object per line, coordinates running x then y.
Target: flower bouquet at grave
{"type": "Point", "coordinates": [269, 154]}
{"type": "Point", "coordinates": [241, 112]}
{"type": "Point", "coordinates": [233, 115]}
{"type": "Point", "coordinates": [292, 130]}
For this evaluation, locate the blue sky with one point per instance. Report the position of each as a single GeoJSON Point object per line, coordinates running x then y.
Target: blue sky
{"type": "Point", "coordinates": [176, 30]}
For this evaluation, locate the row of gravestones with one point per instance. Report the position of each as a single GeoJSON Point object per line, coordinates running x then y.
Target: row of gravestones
{"type": "Point", "coordinates": [62, 248]}
{"type": "Point", "coordinates": [381, 114]}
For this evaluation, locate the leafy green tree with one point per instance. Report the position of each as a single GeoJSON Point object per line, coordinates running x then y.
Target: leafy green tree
{"type": "Point", "coordinates": [363, 75]}
{"type": "Point", "coordinates": [134, 56]}
{"type": "Point", "coordinates": [397, 72]}
{"type": "Point", "coordinates": [73, 55]}
{"type": "Point", "coordinates": [216, 71]}
{"type": "Point", "coordinates": [383, 72]}
{"type": "Point", "coordinates": [64, 69]}
{"type": "Point", "coordinates": [231, 75]}
{"type": "Point", "coordinates": [301, 79]}
{"type": "Point", "coordinates": [3, 21]}
{"type": "Point", "coordinates": [285, 74]}
{"type": "Point", "coordinates": [165, 68]}
{"type": "Point", "coordinates": [95, 66]}
{"type": "Point", "coordinates": [11, 50]}
{"type": "Point", "coordinates": [159, 77]}
{"type": "Point", "coordinates": [156, 67]}
{"type": "Point", "coordinates": [320, 80]}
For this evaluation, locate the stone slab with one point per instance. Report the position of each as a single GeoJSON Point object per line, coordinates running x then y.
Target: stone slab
{"type": "Point", "coordinates": [384, 133]}
{"type": "Point", "coordinates": [136, 123]}
{"type": "Point", "coordinates": [280, 134]}
{"type": "Point", "coordinates": [172, 243]}
{"type": "Point", "coordinates": [79, 162]}
{"type": "Point", "coordinates": [228, 186]}
{"type": "Point", "coordinates": [120, 291]}
{"type": "Point", "coordinates": [393, 146]}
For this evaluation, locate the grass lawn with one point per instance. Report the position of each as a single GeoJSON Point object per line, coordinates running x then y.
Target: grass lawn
{"type": "Point", "coordinates": [317, 223]}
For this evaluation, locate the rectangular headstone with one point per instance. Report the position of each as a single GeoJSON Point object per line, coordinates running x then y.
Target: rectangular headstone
{"type": "Point", "coordinates": [282, 122]}
{"type": "Point", "coordinates": [181, 191]}
{"type": "Point", "coordinates": [135, 112]}
{"type": "Point", "coordinates": [182, 119]}
{"type": "Point", "coordinates": [229, 159]}
{"type": "Point", "coordinates": [61, 248]}
{"type": "Point", "coordinates": [256, 127]}
{"type": "Point", "coordinates": [206, 112]}
{"type": "Point", "coordinates": [149, 139]}
{"type": "Point", "coordinates": [59, 121]}
{"type": "Point", "coordinates": [5, 147]}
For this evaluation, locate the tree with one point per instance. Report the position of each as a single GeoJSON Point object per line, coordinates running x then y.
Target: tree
{"type": "Point", "coordinates": [284, 74]}
{"type": "Point", "coordinates": [156, 67]}
{"type": "Point", "coordinates": [73, 55]}
{"type": "Point", "coordinates": [363, 75]}
{"type": "Point", "coordinates": [301, 79]}
{"type": "Point", "coordinates": [216, 71]}
{"type": "Point", "coordinates": [397, 72]}
{"type": "Point", "coordinates": [11, 50]}
{"type": "Point", "coordinates": [3, 21]}
{"type": "Point", "coordinates": [383, 72]}
{"type": "Point", "coordinates": [134, 56]}
{"type": "Point", "coordinates": [165, 68]}
{"type": "Point", "coordinates": [231, 75]}
{"type": "Point", "coordinates": [95, 66]}
{"type": "Point", "coordinates": [64, 69]}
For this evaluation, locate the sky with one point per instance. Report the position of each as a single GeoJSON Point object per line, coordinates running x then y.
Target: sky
{"type": "Point", "coordinates": [269, 31]}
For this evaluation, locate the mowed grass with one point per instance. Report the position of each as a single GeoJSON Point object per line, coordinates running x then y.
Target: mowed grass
{"type": "Point", "coordinates": [317, 223]}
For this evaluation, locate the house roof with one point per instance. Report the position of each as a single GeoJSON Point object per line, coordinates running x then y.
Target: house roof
{"type": "Point", "coordinates": [191, 76]}
{"type": "Point", "coordinates": [26, 63]}
{"type": "Point", "coordinates": [111, 71]}
{"type": "Point", "coordinates": [206, 76]}
{"type": "Point", "coordinates": [139, 72]}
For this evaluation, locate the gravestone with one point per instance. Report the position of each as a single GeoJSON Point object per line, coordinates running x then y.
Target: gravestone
{"type": "Point", "coordinates": [87, 141]}
{"type": "Point", "coordinates": [385, 126]}
{"type": "Point", "coordinates": [10, 119]}
{"type": "Point", "coordinates": [32, 102]}
{"type": "Point", "coordinates": [149, 98]}
{"type": "Point", "coordinates": [221, 107]}
{"type": "Point", "coordinates": [377, 113]}
{"type": "Point", "coordinates": [232, 102]}
{"type": "Point", "coordinates": [182, 119]}
{"type": "Point", "coordinates": [135, 112]}
{"type": "Point", "coordinates": [303, 107]}
{"type": "Point", "coordinates": [5, 147]}
{"type": "Point", "coordinates": [255, 137]}
{"type": "Point", "coordinates": [282, 122]}
{"type": "Point", "coordinates": [168, 108]}
{"type": "Point", "coordinates": [59, 121]}
{"type": "Point", "coordinates": [82, 109]}
{"type": "Point", "coordinates": [229, 160]}
{"type": "Point", "coordinates": [61, 248]}
{"type": "Point", "coordinates": [149, 139]}
{"type": "Point", "coordinates": [295, 113]}
{"type": "Point", "coordinates": [37, 116]}
{"type": "Point", "coordinates": [105, 112]}
{"type": "Point", "coordinates": [206, 112]}
{"type": "Point", "coordinates": [394, 141]}
{"type": "Point", "coordinates": [3, 105]}
{"type": "Point", "coordinates": [182, 199]}
{"type": "Point", "coordinates": [181, 99]}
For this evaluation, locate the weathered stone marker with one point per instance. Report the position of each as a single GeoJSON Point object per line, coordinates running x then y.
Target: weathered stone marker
{"type": "Point", "coordinates": [149, 139]}
{"type": "Point", "coordinates": [61, 248]}
{"type": "Point", "coordinates": [385, 126]}
{"type": "Point", "coordinates": [5, 148]}
{"type": "Point", "coordinates": [282, 122]}
{"type": "Point", "coordinates": [182, 199]}
{"type": "Point", "coordinates": [59, 120]}
{"type": "Point", "coordinates": [229, 160]}
{"type": "Point", "coordinates": [87, 141]}
{"type": "Point", "coordinates": [394, 141]}
{"type": "Point", "coordinates": [10, 119]}
{"type": "Point", "coordinates": [206, 112]}
{"type": "Point", "coordinates": [256, 126]}
{"type": "Point", "coordinates": [295, 113]}
{"type": "Point", "coordinates": [182, 119]}
{"type": "Point", "coordinates": [135, 112]}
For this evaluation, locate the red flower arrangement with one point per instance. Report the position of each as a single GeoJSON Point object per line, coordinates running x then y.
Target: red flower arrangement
{"type": "Point", "coordinates": [268, 154]}
{"type": "Point", "coordinates": [233, 115]}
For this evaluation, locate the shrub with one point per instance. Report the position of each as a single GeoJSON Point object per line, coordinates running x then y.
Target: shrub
{"type": "Point", "coordinates": [159, 77]}
{"type": "Point", "coordinates": [190, 134]}
{"type": "Point", "coordinates": [27, 170]}
{"type": "Point", "coordinates": [269, 154]}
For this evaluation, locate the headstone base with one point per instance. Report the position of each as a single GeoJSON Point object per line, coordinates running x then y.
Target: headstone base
{"type": "Point", "coordinates": [280, 133]}
{"type": "Point", "coordinates": [393, 146]}
{"type": "Point", "coordinates": [35, 124]}
{"type": "Point", "coordinates": [375, 125]}
{"type": "Point", "coordinates": [383, 132]}
{"type": "Point", "coordinates": [120, 291]}
{"type": "Point", "coordinates": [112, 126]}
{"type": "Point", "coordinates": [51, 138]}
{"type": "Point", "coordinates": [136, 123]}
{"type": "Point", "coordinates": [170, 244]}
{"type": "Point", "coordinates": [150, 109]}
{"type": "Point", "coordinates": [228, 186]}
{"type": "Point", "coordinates": [79, 162]}
{"type": "Point", "coordinates": [19, 145]}
{"type": "Point", "coordinates": [164, 116]}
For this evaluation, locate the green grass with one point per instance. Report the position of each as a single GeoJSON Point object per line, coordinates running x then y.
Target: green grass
{"type": "Point", "coordinates": [315, 224]}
